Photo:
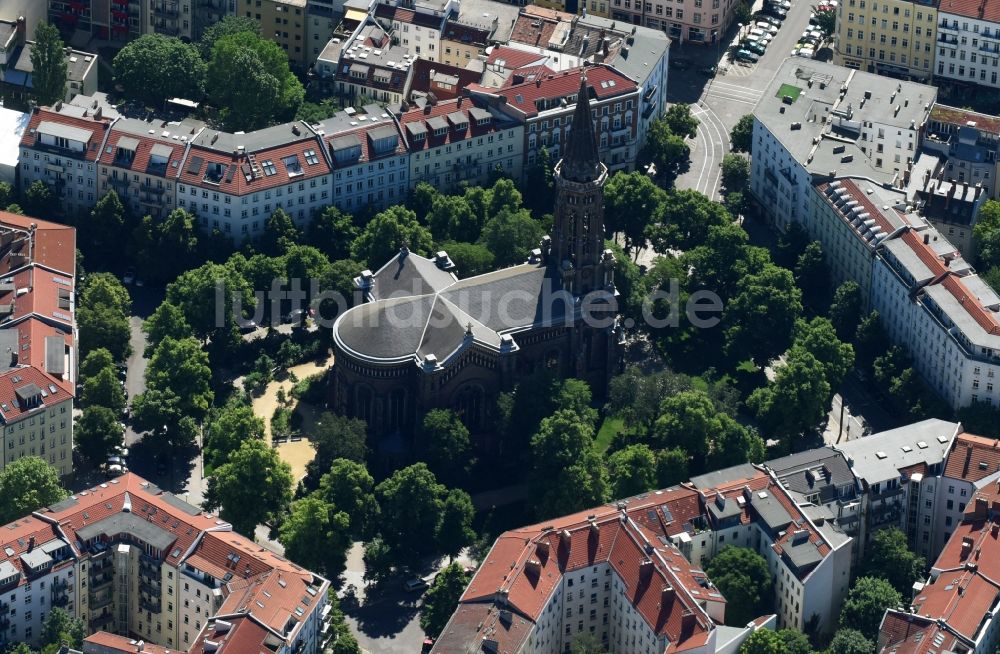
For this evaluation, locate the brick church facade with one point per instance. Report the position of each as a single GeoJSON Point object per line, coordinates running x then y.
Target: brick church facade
{"type": "Point", "coordinates": [427, 339]}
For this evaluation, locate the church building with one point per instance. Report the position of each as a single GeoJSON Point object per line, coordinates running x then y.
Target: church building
{"type": "Point", "coordinates": [425, 338]}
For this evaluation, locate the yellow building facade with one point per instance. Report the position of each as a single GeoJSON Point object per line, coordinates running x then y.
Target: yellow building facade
{"type": "Point", "coordinates": [281, 21]}
{"type": "Point", "coordinates": [888, 37]}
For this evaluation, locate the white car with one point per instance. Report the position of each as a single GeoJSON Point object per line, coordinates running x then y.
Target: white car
{"type": "Point", "coordinates": [767, 27]}
{"type": "Point", "coordinates": [808, 53]}
{"type": "Point", "coordinates": [756, 34]}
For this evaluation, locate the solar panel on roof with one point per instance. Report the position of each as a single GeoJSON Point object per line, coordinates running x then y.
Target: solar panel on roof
{"type": "Point", "coordinates": [194, 165]}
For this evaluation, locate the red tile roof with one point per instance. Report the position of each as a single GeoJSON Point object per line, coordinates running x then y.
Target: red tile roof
{"type": "Point", "coordinates": [988, 10]}
{"type": "Point", "coordinates": [244, 636]}
{"type": "Point", "coordinates": [96, 127]}
{"type": "Point", "coordinates": [972, 458]}
{"type": "Point", "coordinates": [971, 304]}
{"type": "Point", "coordinates": [903, 633]}
{"type": "Point", "coordinates": [451, 135]}
{"type": "Point", "coordinates": [124, 645]}
{"type": "Point", "coordinates": [420, 78]}
{"type": "Point", "coordinates": [924, 252]}
{"type": "Point", "coordinates": [961, 599]}
{"type": "Point", "coordinates": [12, 409]}
{"type": "Point", "coordinates": [604, 82]}
{"type": "Point", "coordinates": [361, 133]}
{"type": "Point", "coordinates": [143, 153]}
{"type": "Point", "coordinates": [53, 245]}
{"type": "Point", "coordinates": [234, 180]}
{"type": "Point", "coordinates": [512, 58]}
{"type": "Point", "coordinates": [23, 535]}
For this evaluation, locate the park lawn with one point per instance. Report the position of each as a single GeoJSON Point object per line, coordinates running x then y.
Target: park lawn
{"type": "Point", "coordinates": [611, 427]}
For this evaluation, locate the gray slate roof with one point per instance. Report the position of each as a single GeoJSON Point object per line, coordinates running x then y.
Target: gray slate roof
{"type": "Point", "coordinates": [821, 470]}
{"type": "Point", "coordinates": [120, 523]}
{"type": "Point", "coordinates": [879, 457]}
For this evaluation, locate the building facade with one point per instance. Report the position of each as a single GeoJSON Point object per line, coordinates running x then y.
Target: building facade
{"type": "Point", "coordinates": [896, 38]}
{"type": "Point", "coordinates": [968, 142]}
{"type": "Point", "coordinates": [456, 348]}
{"type": "Point", "coordinates": [968, 46]}
{"type": "Point", "coordinates": [284, 22]}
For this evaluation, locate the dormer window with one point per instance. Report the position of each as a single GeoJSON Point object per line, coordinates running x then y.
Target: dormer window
{"type": "Point", "coordinates": [268, 167]}
{"type": "Point", "coordinates": [311, 157]}
{"type": "Point", "coordinates": [292, 165]}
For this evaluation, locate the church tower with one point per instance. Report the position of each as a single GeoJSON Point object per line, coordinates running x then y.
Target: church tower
{"type": "Point", "coordinates": [578, 230]}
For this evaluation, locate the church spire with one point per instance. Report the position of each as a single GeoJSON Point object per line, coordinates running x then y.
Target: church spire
{"type": "Point", "coordinates": [580, 161]}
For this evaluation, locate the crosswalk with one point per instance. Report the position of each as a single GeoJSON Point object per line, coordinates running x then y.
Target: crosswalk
{"type": "Point", "coordinates": [732, 92]}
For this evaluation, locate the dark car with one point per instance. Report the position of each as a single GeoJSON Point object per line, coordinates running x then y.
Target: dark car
{"type": "Point", "coordinates": [246, 326]}
{"type": "Point", "coordinates": [777, 12]}
{"type": "Point", "coordinates": [709, 71]}
{"type": "Point", "coordinates": [679, 64]}
{"type": "Point", "coordinates": [754, 47]}
{"type": "Point", "coordinates": [746, 55]}
{"type": "Point", "coordinates": [768, 19]}
{"type": "Point", "coordinates": [295, 316]}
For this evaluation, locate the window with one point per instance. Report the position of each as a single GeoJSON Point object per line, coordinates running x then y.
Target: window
{"type": "Point", "coordinates": [268, 167]}
{"type": "Point", "coordinates": [311, 157]}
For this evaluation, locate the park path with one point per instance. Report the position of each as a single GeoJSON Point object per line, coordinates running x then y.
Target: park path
{"type": "Point", "coordinates": [296, 453]}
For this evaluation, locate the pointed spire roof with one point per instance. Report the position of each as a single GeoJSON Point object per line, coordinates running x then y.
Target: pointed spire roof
{"type": "Point", "coordinates": [580, 160]}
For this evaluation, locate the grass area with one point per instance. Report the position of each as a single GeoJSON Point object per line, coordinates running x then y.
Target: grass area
{"type": "Point", "coordinates": [611, 427]}
{"type": "Point", "coordinates": [790, 90]}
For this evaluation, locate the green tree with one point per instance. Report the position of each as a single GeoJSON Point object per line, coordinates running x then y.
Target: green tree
{"type": "Point", "coordinates": [195, 293]}
{"type": "Point", "coordinates": [379, 561]}
{"type": "Point", "coordinates": [447, 447]}
{"type": "Point", "coordinates": [579, 486]}
{"type": "Point", "coordinates": [587, 643]}
{"type": "Point", "coordinates": [666, 150]}
{"type": "Point", "coordinates": [253, 487]}
{"type": "Point", "coordinates": [687, 219]}
{"type": "Point", "coordinates": [177, 233]}
{"type": "Point", "coordinates": [827, 22]}
{"type": "Point", "coordinates": [154, 68]}
{"type": "Point", "coordinates": [681, 121]}
{"type": "Point", "coordinates": [7, 194]}
{"type": "Point", "coordinates": [845, 310]}
{"type": "Point", "coordinates": [316, 536]}
{"type": "Point", "coordinates": [795, 401]}
{"type": "Point", "coordinates": [96, 361]}
{"type": "Point", "coordinates": [442, 598]}
{"type": "Point", "coordinates": [40, 200]}
{"type": "Point", "coordinates": [103, 389]}
{"type": "Point", "coordinates": [889, 557]}
{"type": "Point", "coordinates": [168, 321]}
{"type": "Point", "coordinates": [348, 486]}
{"type": "Point", "coordinates": [795, 642]}
{"type": "Point", "coordinates": [866, 603]}
{"type": "Point", "coordinates": [734, 444]}
{"type": "Point", "coordinates": [870, 340]}
{"type": "Point", "coordinates": [103, 326]}
{"type": "Point", "coordinates": [688, 420]}
{"type": "Point", "coordinates": [451, 217]}
{"type": "Point", "coordinates": [791, 244]}
{"type": "Point", "coordinates": [851, 641]}
{"type": "Point", "coordinates": [388, 231]}
{"type": "Point", "coordinates": [105, 227]}
{"type": "Point", "coordinates": [741, 137]}
{"type": "Point", "coordinates": [331, 231]}
{"type": "Point", "coordinates": [227, 428]}
{"type": "Point", "coordinates": [412, 501]}
{"type": "Point", "coordinates": [672, 467]}
{"type": "Point", "coordinates": [455, 528]}
{"type": "Point", "coordinates": [48, 66]}
{"type": "Point", "coordinates": [249, 80]}
{"type": "Point", "coordinates": [763, 641]}
{"type": "Point", "coordinates": [511, 235]}
{"type": "Point", "coordinates": [280, 233]}
{"type": "Point", "coordinates": [182, 367]}
{"type": "Point", "coordinates": [59, 627]}
{"type": "Point", "coordinates": [470, 259]}
{"type": "Point", "coordinates": [561, 441]}
{"type": "Point", "coordinates": [760, 316]}
{"type": "Point", "coordinates": [231, 24]}
{"type": "Point", "coordinates": [632, 470]}
{"type": "Point", "coordinates": [98, 432]}
{"type": "Point", "coordinates": [337, 437]}
{"type": "Point", "coordinates": [812, 274]}
{"type": "Point", "coordinates": [819, 338]}
{"type": "Point", "coordinates": [735, 173]}
{"type": "Point", "coordinates": [745, 580]}
{"type": "Point", "coordinates": [105, 289]}
{"type": "Point", "coordinates": [27, 485]}
{"type": "Point", "coordinates": [632, 202]}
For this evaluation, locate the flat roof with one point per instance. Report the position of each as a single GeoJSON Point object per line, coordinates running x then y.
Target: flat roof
{"type": "Point", "coordinates": [119, 523]}
{"type": "Point", "coordinates": [65, 131]}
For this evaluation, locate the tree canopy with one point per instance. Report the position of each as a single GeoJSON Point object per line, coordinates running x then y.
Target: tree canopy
{"type": "Point", "coordinates": [231, 24]}
{"type": "Point", "coordinates": [441, 599]}
{"type": "Point", "coordinates": [98, 432]}
{"type": "Point", "coordinates": [27, 485]}
{"type": "Point", "coordinates": [741, 136]}
{"type": "Point", "coordinates": [745, 580]}
{"type": "Point", "coordinates": [48, 66]}
{"type": "Point", "coordinates": [447, 447]}
{"type": "Point", "coordinates": [890, 558]}
{"type": "Point", "coordinates": [316, 536]}
{"type": "Point", "coordinates": [387, 232]}
{"type": "Point", "coordinates": [632, 202]}
{"type": "Point", "coordinates": [851, 641]}
{"type": "Point", "coordinates": [252, 488]}
{"type": "Point", "coordinates": [154, 68]}
{"type": "Point", "coordinates": [866, 603]}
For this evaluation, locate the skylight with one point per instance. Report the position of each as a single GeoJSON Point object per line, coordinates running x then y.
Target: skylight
{"type": "Point", "coordinates": [311, 157]}
{"type": "Point", "coordinates": [268, 166]}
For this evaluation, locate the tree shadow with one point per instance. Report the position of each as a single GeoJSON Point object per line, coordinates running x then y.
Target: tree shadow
{"type": "Point", "coordinates": [169, 468]}
{"type": "Point", "coordinates": [385, 613]}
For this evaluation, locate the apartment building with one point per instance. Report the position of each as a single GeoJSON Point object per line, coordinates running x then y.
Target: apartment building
{"type": "Point", "coordinates": [895, 38]}
{"type": "Point", "coordinates": [128, 558]}
{"type": "Point", "coordinates": [462, 140]}
{"type": "Point", "coordinates": [60, 147]}
{"type": "Point", "coordinates": [368, 155]}
{"type": "Point", "coordinates": [952, 207]}
{"type": "Point", "coordinates": [114, 20]}
{"type": "Point", "coordinates": [369, 67]}
{"type": "Point", "coordinates": [955, 610]}
{"type": "Point", "coordinates": [968, 142]}
{"type": "Point", "coordinates": [700, 22]}
{"type": "Point", "coordinates": [322, 18]}
{"type": "Point", "coordinates": [209, 12]}
{"type": "Point", "coordinates": [141, 161]}
{"type": "Point", "coordinates": [973, 464]}
{"type": "Point", "coordinates": [15, 73]}
{"type": "Point", "coordinates": [899, 472]}
{"type": "Point", "coordinates": [968, 45]}
{"type": "Point", "coordinates": [284, 22]}
{"type": "Point", "coordinates": [234, 182]}
{"type": "Point", "coordinates": [462, 43]}
{"type": "Point", "coordinates": [38, 334]}
{"type": "Point", "coordinates": [747, 506]}
{"type": "Point", "coordinates": [602, 572]}
{"type": "Point", "coordinates": [824, 487]}
{"type": "Point", "coordinates": [416, 25]}
{"type": "Point", "coordinates": [821, 120]}
{"type": "Point", "coordinates": [170, 18]}
{"type": "Point", "coordinates": [544, 106]}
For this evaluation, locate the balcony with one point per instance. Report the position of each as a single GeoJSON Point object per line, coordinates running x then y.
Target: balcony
{"type": "Point", "coordinates": [163, 27]}
{"type": "Point", "coordinates": [944, 25]}
{"type": "Point", "coordinates": [150, 604]}
{"type": "Point", "coordinates": [102, 619]}
{"type": "Point", "coordinates": [166, 10]}
{"type": "Point", "coordinates": [60, 599]}
{"type": "Point", "coordinates": [98, 601]}
{"type": "Point", "coordinates": [100, 581]}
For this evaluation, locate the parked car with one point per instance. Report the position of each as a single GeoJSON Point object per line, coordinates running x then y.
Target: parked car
{"type": "Point", "coordinates": [754, 47]}
{"type": "Point", "coordinates": [777, 12]}
{"type": "Point", "coordinates": [247, 326]}
{"type": "Point", "coordinates": [295, 316]}
{"type": "Point", "coordinates": [784, 4]}
{"type": "Point", "coordinates": [767, 27]}
{"type": "Point", "coordinates": [746, 55]}
{"type": "Point", "coordinates": [129, 276]}
{"type": "Point", "coordinates": [771, 20]}
{"type": "Point", "coordinates": [413, 584]}
{"type": "Point", "coordinates": [709, 71]}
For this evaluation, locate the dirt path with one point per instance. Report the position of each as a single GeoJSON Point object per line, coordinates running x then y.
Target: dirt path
{"type": "Point", "coordinates": [297, 454]}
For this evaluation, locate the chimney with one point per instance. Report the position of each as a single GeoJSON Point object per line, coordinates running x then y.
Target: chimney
{"type": "Point", "coordinates": [566, 539]}
{"type": "Point", "coordinates": [31, 543]}
{"type": "Point", "coordinates": [966, 546]}
{"type": "Point", "coordinates": [20, 31]}
{"type": "Point", "coordinates": [594, 529]}
{"type": "Point", "coordinates": [927, 239]}
{"type": "Point", "coordinates": [645, 570]}
{"type": "Point", "coordinates": [98, 113]}
{"type": "Point", "coordinates": [668, 594]}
